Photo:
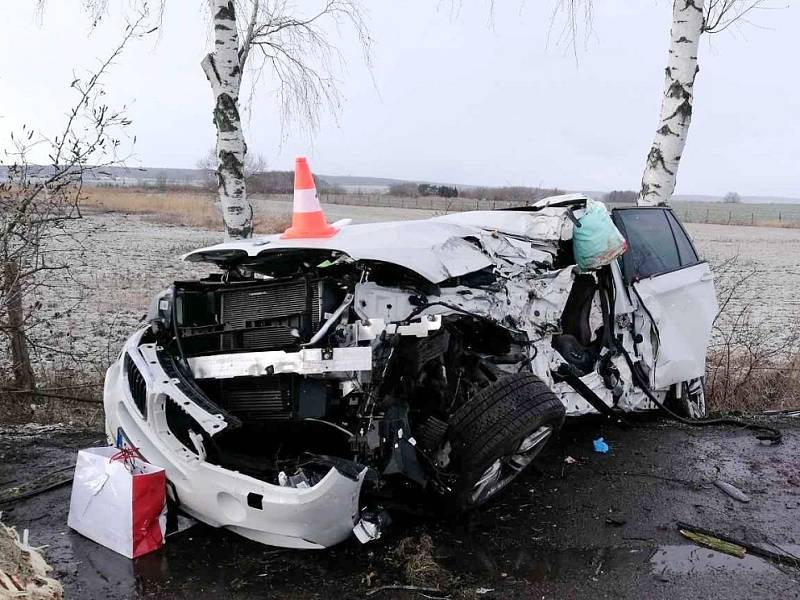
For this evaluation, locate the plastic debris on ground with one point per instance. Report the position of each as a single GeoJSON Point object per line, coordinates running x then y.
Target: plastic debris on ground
{"type": "Point", "coordinates": [371, 525]}
{"type": "Point", "coordinates": [600, 445]}
{"type": "Point", "coordinates": [732, 491]}
{"type": "Point", "coordinates": [570, 461]}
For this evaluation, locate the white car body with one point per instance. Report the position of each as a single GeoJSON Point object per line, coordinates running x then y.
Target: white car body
{"type": "Point", "coordinates": [662, 320]}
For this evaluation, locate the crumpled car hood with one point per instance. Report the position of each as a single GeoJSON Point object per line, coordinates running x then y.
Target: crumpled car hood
{"type": "Point", "coordinates": [437, 249]}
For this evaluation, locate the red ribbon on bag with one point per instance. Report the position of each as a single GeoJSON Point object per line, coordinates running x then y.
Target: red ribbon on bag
{"type": "Point", "coordinates": [128, 456]}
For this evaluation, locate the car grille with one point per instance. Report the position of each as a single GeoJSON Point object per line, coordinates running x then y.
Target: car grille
{"type": "Point", "coordinates": [253, 398]}
{"type": "Point", "coordinates": [136, 384]}
{"type": "Point", "coordinates": [266, 337]}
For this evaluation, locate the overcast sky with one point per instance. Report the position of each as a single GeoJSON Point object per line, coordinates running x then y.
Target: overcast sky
{"type": "Point", "coordinates": [454, 98]}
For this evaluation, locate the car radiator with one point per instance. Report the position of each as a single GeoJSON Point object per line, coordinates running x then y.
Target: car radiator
{"type": "Point", "coordinates": [252, 317]}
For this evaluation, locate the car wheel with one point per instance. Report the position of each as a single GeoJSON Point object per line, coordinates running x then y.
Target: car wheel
{"type": "Point", "coordinates": [495, 435]}
{"type": "Point", "coordinates": [692, 403]}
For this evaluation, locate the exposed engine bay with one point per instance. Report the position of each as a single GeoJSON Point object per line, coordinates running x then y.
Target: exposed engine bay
{"type": "Point", "coordinates": [298, 359]}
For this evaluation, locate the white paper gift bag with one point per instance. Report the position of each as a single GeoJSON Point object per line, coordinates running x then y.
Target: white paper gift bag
{"type": "Point", "coordinates": [119, 500]}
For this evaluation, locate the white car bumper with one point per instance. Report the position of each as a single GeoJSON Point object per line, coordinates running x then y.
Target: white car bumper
{"type": "Point", "coordinates": [314, 517]}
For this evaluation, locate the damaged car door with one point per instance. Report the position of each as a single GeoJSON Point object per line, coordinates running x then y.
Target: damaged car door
{"type": "Point", "coordinates": [673, 291]}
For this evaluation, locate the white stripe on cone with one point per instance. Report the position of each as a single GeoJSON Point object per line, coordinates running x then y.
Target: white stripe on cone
{"type": "Point", "coordinates": [306, 201]}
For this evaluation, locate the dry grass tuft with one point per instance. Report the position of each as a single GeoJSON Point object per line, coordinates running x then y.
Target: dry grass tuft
{"type": "Point", "coordinates": [63, 396]}
{"type": "Point", "coordinates": [744, 382]}
{"type": "Point", "coordinates": [186, 208]}
{"type": "Point", "coordinates": [420, 568]}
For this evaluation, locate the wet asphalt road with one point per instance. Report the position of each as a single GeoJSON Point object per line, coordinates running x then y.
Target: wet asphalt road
{"type": "Point", "coordinates": [546, 537]}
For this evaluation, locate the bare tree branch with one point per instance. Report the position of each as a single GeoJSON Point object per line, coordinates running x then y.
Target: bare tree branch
{"type": "Point", "coordinates": [38, 203]}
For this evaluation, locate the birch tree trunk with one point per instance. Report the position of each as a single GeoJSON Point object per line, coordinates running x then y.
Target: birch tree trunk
{"type": "Point", "coordinates": [224, 72]}
{"type": "Point", "coordinates": [661, 168]}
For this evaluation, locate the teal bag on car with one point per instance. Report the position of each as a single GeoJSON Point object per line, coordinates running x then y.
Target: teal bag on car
{"type": "Point", "coordinates": [596, 241]}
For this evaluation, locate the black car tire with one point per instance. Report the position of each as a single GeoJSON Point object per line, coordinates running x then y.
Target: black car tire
{"type": "Point", "coordinates": [491, 427]}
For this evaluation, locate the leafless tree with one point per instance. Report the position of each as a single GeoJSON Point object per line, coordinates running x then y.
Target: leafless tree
{"type": "Point", "coordinates": [273, 39]}
{"type": "Point", "coordinates": [753, 361]}
{"type": "Point", "coordinates": [732, 198]}
{"type": "Point", "coordinates": [690, 20]}
{"type": "Point", "coordinates": [38, 204]}
{"type": "Point", "coordinates": [270, 39]}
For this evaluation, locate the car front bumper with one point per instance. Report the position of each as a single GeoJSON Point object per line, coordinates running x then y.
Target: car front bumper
{"type": "Point", "coordinates": [314, 517]}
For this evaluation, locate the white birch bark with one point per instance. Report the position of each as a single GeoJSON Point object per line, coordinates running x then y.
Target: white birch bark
{"type": "Point", "coordinates": [661, 168]}
{"type": "Point", "coordinates": [224, 72]}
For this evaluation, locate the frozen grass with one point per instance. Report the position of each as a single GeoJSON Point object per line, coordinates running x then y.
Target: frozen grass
{"type": "Point", "coordinates": [186, 208]}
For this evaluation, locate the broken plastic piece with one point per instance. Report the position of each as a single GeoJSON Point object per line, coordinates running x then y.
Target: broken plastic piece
{"type": "Point", "coordinates": [298, 480]}
{"type": "Point", "coordinates": [732, 491]}
{"type": "Point", "coordinates": [570, 461]}
{"type": "Point", "coordinates": [600, 445]}
{"type": "Point", "coordinates": [371, 525]}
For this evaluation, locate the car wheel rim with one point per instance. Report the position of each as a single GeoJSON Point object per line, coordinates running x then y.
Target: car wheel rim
{"type": "Point", "coordinates": [695, 399]}
{"type": "Point", "coordinates": [506, 468]}
{"type": "Point", "coordinates": [697, 406]}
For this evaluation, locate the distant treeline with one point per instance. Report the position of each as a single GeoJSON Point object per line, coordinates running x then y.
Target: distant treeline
{"type": "Point", "coordinates": [620, 197]}
{"type": "Point", "coordinates": [282, 182]}
{"type": "Point", "coordinates": [519, 194]}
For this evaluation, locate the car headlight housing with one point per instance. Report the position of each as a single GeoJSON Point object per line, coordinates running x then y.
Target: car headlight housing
{"type": "Point", "coordinates": [159, 315]}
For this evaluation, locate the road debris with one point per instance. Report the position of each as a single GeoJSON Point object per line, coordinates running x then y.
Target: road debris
{"type": "Point", "coordinates": [781, 558]}
{"type": "Point", "coordinates": [570, 461]}
{"type": "Point", "coordinates": [785, 412]}
{"type": "Point", "coordinates": [408, 588]}
{"type": "Point", "coordinates": [714, 543]}
{"type": "Point", "coordinates": [39, 485]}
{"type": "Point", "coordinates": [600, 445]}
{"type": "Point", "coordinates": [732, 490]}
{"type": "Point", "coordinates": [371, 525]}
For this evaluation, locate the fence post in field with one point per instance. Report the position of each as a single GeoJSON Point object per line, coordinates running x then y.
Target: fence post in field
{"type": "Point", "coordinates": [752, 218]}
{"type": "Point", "coordinates": [779, 217]}
{"type": "Point", "coordinates": [729, 217]}
{"type": "Point", "coordinates": [707, 215]}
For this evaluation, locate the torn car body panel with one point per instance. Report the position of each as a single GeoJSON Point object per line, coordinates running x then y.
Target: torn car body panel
{"type": "Point", "coordinates": [310, 368]}
{"type": "Point", "coordinates": [682, 306]}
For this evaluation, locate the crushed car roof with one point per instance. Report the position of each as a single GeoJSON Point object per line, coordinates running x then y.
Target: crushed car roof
{"type": "Point", "coordinates": [438, 248]}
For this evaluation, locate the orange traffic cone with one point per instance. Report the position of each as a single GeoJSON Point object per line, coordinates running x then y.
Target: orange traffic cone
{"type": "Point", "coordinates": [308, 220]}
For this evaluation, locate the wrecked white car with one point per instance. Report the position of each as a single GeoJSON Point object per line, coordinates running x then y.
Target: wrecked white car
{"type": "Point", "coordinates": [441, 353]}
